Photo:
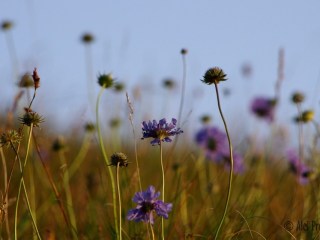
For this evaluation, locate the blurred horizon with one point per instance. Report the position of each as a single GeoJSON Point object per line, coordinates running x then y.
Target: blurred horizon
{"type": "Point", "coordinates": [140, 43]}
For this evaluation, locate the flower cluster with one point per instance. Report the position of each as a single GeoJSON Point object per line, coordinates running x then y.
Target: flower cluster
{"type": "Point", "coordinates": [302, 172]}
{"type": "Point", "coordinates": [148, 204]}
{"type": "Point", "coordinates": [214, 142]}
{"type": "Point", "coordinates": [264, 108]}
{"type": "Point", "coordinates": [161, 132]}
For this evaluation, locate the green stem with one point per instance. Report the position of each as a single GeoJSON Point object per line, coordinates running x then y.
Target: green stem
{"type": "Point", "coordinates": [163, 185]}
{"type": "Point", "coordinates": [231, 163]}
{"type": "Point", "coordinates": [80, 157]}
{"type": "Point", "coordinates": [152, 232]}
{"type": "Point", "coordinates": [22, 184]}
{"type": "Point", "coordinates": [119, 199]}
{"type": "Point", "coordinates": [105, 157]}
{"type": "Point", "coordinates": [4, 204]}
{"type": "Point", "coordinates": [67, 190]}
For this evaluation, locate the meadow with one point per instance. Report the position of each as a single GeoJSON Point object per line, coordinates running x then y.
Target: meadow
{"type": "Point", "coordinates": [125, 179]}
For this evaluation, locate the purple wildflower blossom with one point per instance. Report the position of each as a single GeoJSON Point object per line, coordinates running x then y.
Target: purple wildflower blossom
{"type": "Point", "coordinates": [161, 131]}
{"type": "Point", "coordinates": [148, 204]}
{"type": "Point", "coordinates": [215, 144]}
{"type": "Point", "coordinates": [263, 107]}
{"type": "Point", "coordinates": [212, 140]}
{"type": "Point", "coordinates": [302, 171]}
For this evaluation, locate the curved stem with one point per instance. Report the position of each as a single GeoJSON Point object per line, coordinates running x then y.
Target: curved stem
{"type": "Point", "coordinates": [119, 199]}
{"type": "Point", "coordinates": [163, 185]}
{"type": "Point", "coordinates": [231, 163]}
{"type": "Point", "coordinates": [105, 157]}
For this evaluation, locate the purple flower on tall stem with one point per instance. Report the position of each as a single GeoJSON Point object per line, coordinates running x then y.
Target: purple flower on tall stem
{"type": "Point", "coordinates": [161, 131]}
{"type": "Point", "coordinates": [148, 203]}
{"type": "Point", "coordinates": [264, 108]}
{"type": "Point", "coordinates": [302, 171]}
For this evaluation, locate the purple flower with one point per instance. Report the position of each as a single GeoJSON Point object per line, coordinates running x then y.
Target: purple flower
{"type": "Point", "coordinates": [215, 144]}
{"type": "Point", "coordinates": [223, 157]}
{"type": "Point", "coordinates": [264, 107]}
{"type": "Point", "coordinates": [161, 131]}
{"type": "Point", "coordinates": [148, 204]}
{"type": "Point", "coordinates": [302, 171]}
{"type": "Point", "coordinates": [211, 140]}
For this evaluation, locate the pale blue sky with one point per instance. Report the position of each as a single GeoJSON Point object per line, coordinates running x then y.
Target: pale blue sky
{"type": "Point", "coordinates": [140, 42]}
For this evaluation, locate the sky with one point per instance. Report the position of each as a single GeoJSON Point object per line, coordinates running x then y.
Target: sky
{"type": "Point", "coordinates": [139, 42]}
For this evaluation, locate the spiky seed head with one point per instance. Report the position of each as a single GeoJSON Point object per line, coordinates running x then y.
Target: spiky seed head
{"type": "Point", "coordinates": [87, 38]}
{"type": "Point", "coordinates": [214, 76]}
{"type": "Point", "coordinates": [119, 159]}
{"type": "Point", "coordinates": [106, 80]}
{"type": "Point", "coordinates": [6, 25]}
{"type": "Point", "coordinates": [31, 118]}
{"type": "Point", "coordinates": [9, 137]}
{"type": "Point", "coordinates": [297, 97]}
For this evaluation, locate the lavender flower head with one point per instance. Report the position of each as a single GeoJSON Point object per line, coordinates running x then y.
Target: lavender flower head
{"type": "Point", "coordinates": [215, 144]}
{"type": "Point", "coordinates": [211, 140]}
{"type": "Point", "coordinates": [264, 107]}
{"type": "Point", "coordinates": [161, 131]}
{"type": "Point", "coordinates": [148, 203]}
{"type": "Point", "coordinates": [302, 171]}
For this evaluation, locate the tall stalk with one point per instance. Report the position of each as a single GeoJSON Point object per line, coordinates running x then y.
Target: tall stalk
{"type": "Point", "coordinates": [105, 157]}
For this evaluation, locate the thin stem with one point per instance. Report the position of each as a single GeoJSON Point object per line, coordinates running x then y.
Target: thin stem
{"type": "Point", "coordinates": [22, 184]}
{"type": "Point", "coordinates": [231, 163]}
{"type": "Point", "coordinates": [301, 141]}
{"type": "Point", "coordinates": [67, 190]}
{"type": "Point", "coordinates": [119, 200]}
{"type": "Point", "coordinates": [163, 185]}
{"type": "Point", "coordinates": [53, 186]}
{"type": "Point", "coordinates": [105, 157]}
{"type": "Point", "coordinates": [135, 140]}
{"type": "Point", "coordinates": [152, 232]}
{"type": "Point", "coordinates": [183, 89]}
{"type": "Point", "coordinates": [4, 204]}
{"type": "Point", "coordinates": [80, 157]}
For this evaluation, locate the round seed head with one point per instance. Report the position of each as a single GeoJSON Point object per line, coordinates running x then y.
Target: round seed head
{"type": "Point", "coordinates": [214, 76]}
{"type": "Point", "coordinates": [87, 38]}
{"type": "Point", "coordinates": [6, 25]}
{"type": "Point", "coordinates": [119, 159]}
{"type": "Point", "coordinates": [184, 51]}
{"type": "Point", "coordinates": [297, 97]}
{"type": "Point", "coordinates": [26, 81]}
{"type": "Point", "coordinates": [105, 80]}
